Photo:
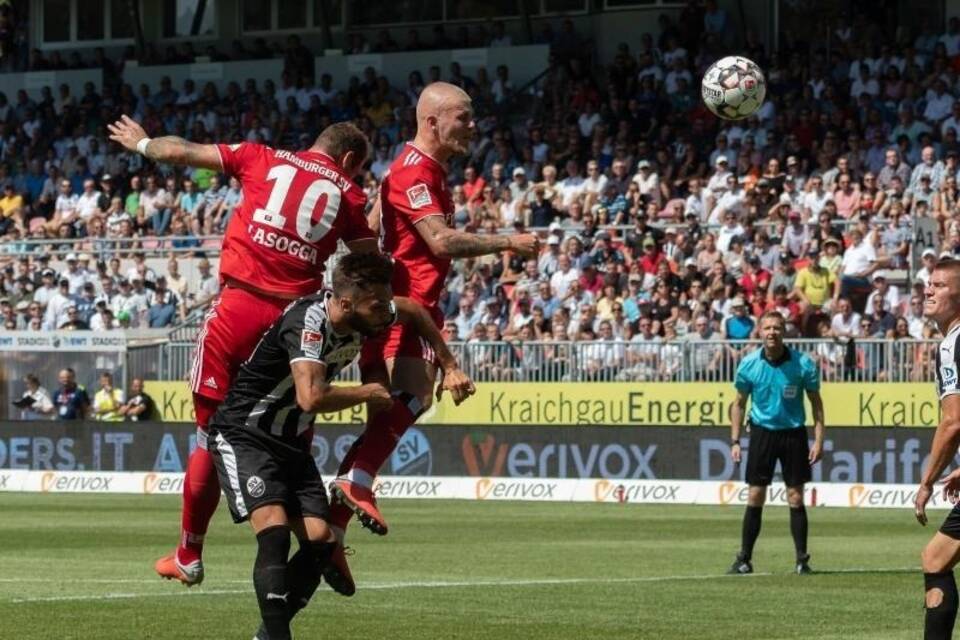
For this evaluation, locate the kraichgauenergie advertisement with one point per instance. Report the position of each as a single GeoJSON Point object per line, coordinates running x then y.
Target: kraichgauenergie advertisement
{"type": "Point", "coordinates": [625, 404]}
{"type": "Point", "coordinates": [692, 453]}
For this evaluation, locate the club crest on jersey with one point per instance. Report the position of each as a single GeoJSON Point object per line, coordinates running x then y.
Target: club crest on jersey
{"type": "Point", "coordinates": [311, 342]}
{"type": "Point", "coordinates": [419, 196]}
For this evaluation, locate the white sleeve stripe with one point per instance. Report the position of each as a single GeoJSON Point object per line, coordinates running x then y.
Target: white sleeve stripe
{"type": "Point", "coordinates": [429, 215]}
{"type": "Point", "coordinates": [949, 392]}
{"type": "Point", "coordinates": [307, 359]}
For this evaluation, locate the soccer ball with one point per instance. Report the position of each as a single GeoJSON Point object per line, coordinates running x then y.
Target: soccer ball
{"type": "Point", "coordinates": [733, 88]}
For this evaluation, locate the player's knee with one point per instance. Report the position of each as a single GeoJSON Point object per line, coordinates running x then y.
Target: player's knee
{"type": "Point", "coordinates": [930, 561]}
{"type": "Point", "coordinates": [757, 496]}
{"type": "Point", "coordinates": [795, 497]}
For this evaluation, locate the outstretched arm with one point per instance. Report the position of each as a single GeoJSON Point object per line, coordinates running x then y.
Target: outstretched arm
{"type": "Point", "coordinates": [168, 149]}
{"type": "Point", "coordinates": [445, 242]}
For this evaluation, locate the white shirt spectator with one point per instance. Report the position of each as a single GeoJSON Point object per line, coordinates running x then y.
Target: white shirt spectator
{"type": "Point", "coordinates": [814, 201]}
{"type": "Point", "coordinates": [560, 281]}
{"type": "Point", "coordinates": [938, 107]}
{"type": "Point", "coordinates": [570, 189]}
{"type": "Point", "coordinates": [87, 204]}
{"type": "Point", "coordinates": [858, 259]}
{"type": "Point", "coordinates": [951, 41]}
{"type": "Point", "coordinates": [891, 300]}
{"type": "Point", "coordinates": [66, 205]}
{"type": "Point", "coordinates": [649, 185]}
{"type": "Point", "coordinates": [587, 122]}
{"type": "Point", "coordinates": [726, 234]}
{"type": "Point", "coordinates": [42, 407]}
{"type": "Point", "coordinates": [860, 86]}
{"type": "Point", "coordinates": [849, 327]}
{"type": "Point", "coordinates": [672, 82]}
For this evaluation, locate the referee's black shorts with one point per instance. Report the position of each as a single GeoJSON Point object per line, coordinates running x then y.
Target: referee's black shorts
{"type": "Point", "coordinates": [788, 446]}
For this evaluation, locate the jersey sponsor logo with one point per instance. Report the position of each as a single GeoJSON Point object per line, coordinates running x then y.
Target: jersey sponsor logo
{"type": "Point", "coordinates": [311, 343]}
{"type": "Point", "coordinates": [949, 375]}
{"type": "Point", "coordinates": [255, 486]}
{"type": "Point", "coordinates": [419, 196]}
{"type": "Point", "coordinates": [790, 391]}
{"type": "Point", "coordinates": [283, 244]}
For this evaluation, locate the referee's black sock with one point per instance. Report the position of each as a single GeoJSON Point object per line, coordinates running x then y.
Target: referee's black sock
{"type": "Point", "coordinates": [271, 582]}
{"type": "Point", "coordinates": [941, 607]}
{"type": "Point", "coordinates": [752, 519]}
{"type": "Point", "coordinates": [798, 529]}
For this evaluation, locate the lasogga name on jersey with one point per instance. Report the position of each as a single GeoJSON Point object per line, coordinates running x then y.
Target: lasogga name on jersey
{"type": "Point", "coordinates": [283, 244]}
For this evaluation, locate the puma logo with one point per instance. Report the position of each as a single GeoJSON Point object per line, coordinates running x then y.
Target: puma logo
{"type": "Point", "coordinates": [277, 596]}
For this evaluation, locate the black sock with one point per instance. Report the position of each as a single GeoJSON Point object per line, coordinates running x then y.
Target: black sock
{"type": "Point", "coordinates": [270, 580]}
{"type": "Point", "coordinates": [940, 619]}
{"type": "Point", "coordinates": [304, 571]}
{"type": "Point", "coordinates": [752, 519]}
{"type": "Point", "coordinates": [798, 529]}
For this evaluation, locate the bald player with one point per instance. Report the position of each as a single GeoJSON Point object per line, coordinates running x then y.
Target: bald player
{"type": "Point", "coordinates": [942, 305]}
{"type": "Point", "coordinates": [415, 220]}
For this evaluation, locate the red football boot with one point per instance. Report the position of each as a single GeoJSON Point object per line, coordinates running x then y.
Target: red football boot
{"type": "Point", "coordinates": [169, 568]}
{"type": "Point", "coordinates": [337, 573]}
{"type": "Point", "coordinates": [362, 502]}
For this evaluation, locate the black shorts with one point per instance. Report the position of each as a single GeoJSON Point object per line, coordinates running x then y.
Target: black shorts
{"type": "Point", "coordinates": [257, 469]}
{"type": "Point", "coordinates": [788, 446]}
{"type": "Point", "coordinates": [951, 524]}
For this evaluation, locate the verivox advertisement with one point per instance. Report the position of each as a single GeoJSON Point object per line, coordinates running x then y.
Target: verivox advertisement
{"type": "Point", "coordinates": [626, 404]}
{"type": "Point", "coordinates": [850, 455]}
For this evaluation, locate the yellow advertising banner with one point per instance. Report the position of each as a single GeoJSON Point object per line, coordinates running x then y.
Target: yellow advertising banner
{"type": "Point", "coordinates": [623, 403]}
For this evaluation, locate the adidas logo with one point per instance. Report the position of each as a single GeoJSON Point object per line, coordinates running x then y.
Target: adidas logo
{"type": "Point", "coordinates": [210, 382]}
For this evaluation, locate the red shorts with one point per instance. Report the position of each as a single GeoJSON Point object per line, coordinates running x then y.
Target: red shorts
{"type": "Point", "coordinates": [400, 341]}
{"type": "Point", "coordinates": [234, 325]}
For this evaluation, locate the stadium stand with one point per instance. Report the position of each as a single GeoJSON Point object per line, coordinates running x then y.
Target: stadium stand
{"type": "Point", "coordinates": [666, 231]}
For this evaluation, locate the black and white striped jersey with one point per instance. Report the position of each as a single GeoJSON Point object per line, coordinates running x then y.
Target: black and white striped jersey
{"type": "Point", "coordinates": [263, 395]}
{"type": "Point", "coordinates": [948, 363]}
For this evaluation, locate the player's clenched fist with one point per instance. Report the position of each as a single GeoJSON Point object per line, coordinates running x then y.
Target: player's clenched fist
{"type": "Point", "coordinates": [458, 384]}
{"type": "Point", "coordinates": [525, 244]}
{"type": "Point", "coordinates": [378, 397]}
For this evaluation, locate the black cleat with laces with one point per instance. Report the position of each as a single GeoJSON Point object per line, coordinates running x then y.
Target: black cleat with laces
{"type": "Point", "coordinates": [803, 565]}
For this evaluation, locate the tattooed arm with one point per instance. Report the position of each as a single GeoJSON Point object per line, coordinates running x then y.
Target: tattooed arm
{"type": "Point", "coordinates": [167, 149]}
{"type": "Point", "coordinates": [445, 242]}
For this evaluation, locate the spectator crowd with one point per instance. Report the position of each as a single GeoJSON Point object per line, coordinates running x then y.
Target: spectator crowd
{"type": "Point", "coordinates": [662, 225]}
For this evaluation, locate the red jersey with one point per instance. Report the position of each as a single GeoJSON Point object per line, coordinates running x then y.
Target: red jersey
{"type": "Point", "coordinates": [296, 205]}
{"type": "Point", "coordinates": [414, 187]}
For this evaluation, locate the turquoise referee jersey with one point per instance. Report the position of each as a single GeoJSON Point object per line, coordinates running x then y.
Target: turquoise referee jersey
{"type": "Point", "coordinates": [776, 388]}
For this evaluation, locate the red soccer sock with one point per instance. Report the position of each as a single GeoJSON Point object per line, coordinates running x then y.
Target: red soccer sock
{"type": "Point", "coordinates": [201, 491]}
{"type": "Point", "coordinates": [380, 437]}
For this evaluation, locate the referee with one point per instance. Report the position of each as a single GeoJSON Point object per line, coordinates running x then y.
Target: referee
{"type": "Point", "coordinates": [774, 379]}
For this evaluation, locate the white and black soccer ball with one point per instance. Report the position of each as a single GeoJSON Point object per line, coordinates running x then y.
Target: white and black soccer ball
{"type": "Point", "coordinates": [733, 88]}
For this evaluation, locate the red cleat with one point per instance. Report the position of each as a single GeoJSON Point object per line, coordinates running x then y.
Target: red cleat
{"type": "Point", "coordinates": [362, 502]}
{"type": "Point", "coordinates": [169, 568]}
{"type": "Point", "coordinates": [337, 573]}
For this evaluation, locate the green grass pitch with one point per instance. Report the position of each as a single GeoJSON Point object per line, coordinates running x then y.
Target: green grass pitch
{"type": "Point", "coordinates": [81, 567]}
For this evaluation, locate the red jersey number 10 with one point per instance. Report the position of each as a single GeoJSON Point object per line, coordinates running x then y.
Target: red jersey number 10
{"type": "Point", "coordinates": [271, 215]}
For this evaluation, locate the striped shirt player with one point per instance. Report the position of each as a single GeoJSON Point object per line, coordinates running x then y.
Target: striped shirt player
{"type": "Point", "coordinates": [941, 305]}
{"type": "Point", "coordinates": [260, 437]}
